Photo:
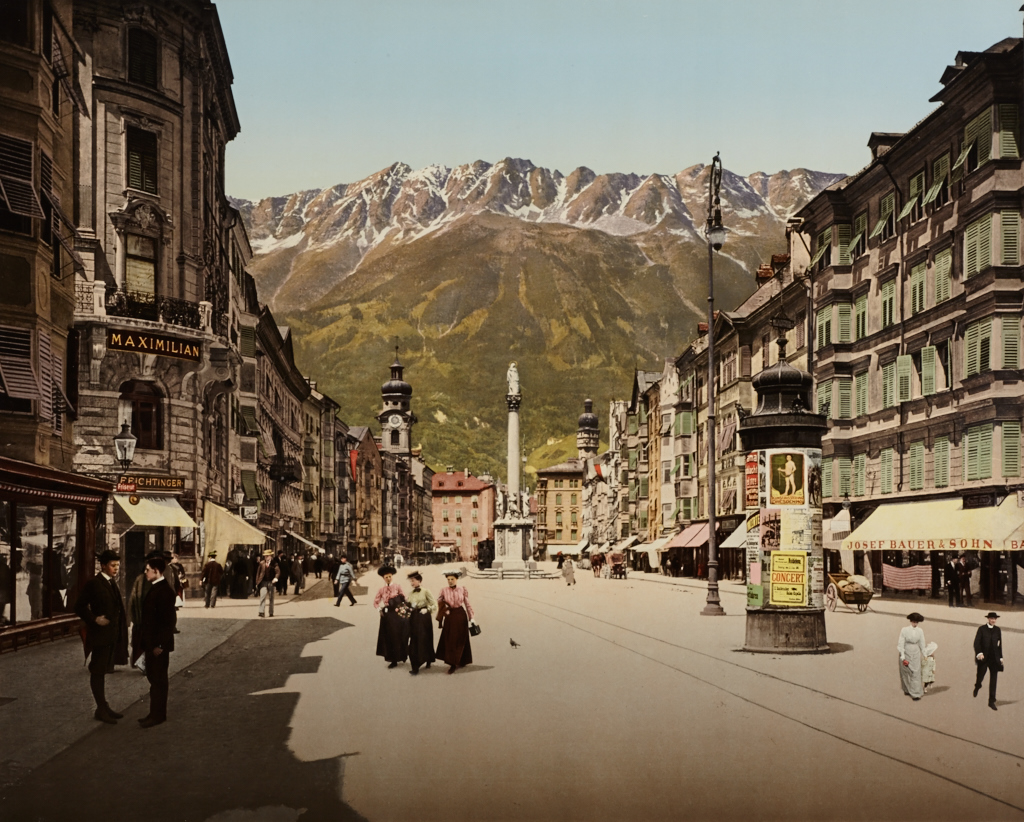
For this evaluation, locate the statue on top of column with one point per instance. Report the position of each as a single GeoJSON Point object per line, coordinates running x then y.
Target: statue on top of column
{"type": "Point", "coordinates": [513, 379]}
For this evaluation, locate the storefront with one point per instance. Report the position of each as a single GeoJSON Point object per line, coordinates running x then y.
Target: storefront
{"type": "Point", "coordinates": [154, 523]}
{"type": "Point", "coordinates": [50, 525]}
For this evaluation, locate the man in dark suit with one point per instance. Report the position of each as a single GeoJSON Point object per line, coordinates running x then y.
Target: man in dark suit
{"type": "Point", "coordinates": [988, 653]}
{"type": "Point", "coordinates": [953, 583]}
{"type": "Point", "coordinates": [106, 630]}
{"type": "Point", "coordinates": [157, 638]}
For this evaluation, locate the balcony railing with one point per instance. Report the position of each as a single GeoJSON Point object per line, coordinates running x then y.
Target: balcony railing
{"type": "Point", "coordinates": [143, 306]}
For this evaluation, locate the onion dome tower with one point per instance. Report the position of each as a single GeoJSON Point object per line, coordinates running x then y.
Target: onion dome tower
{"type": "Point", "coordinates": [588, 432]}
{"type": "Point", "coordinates": [396, 419]}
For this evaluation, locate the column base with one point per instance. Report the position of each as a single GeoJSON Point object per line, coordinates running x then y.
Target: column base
{"type": "Point", "coordinates": [786, 632]}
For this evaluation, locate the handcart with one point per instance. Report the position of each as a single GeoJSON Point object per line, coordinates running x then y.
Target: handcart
{"type": "Point", "coordinates": [617, 562]}
{"type": "Point", "coordinates": [852, 591]}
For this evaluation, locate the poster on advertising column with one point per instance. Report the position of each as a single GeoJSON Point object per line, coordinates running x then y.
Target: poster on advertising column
{"type": "Point", "coordinates": [788, 579]}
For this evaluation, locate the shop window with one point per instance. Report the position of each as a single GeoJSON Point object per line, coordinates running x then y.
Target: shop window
{"type": "Point", "coordinates": [145, 402]}
{"type": "Point", "coordinates": [142, 160]}
{"type": "Point", "coordinates": [143, 53]}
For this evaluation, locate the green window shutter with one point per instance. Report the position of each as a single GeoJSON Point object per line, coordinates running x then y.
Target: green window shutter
{"type": "Point", "coordinates": [1011, 448]}
{"type": "Point", "coordinates": [904, 376]}
{"type": "Point", "coordinates": [917, 288]}
{"type": "Point", "coordinates": [687, 423]}
{"type": "Point", "coordinates": [845, 311]}
{"type": "Point", "coordinates": [247, 342]}
{"type": "Point", "coordinates": [824, 326]}
{"type": "Point", "coordinates": [943, 267]}
{"type": "Point", "coordinates": [888, 385]}
{"type": "Point", "coordinates": [859, 469]}
{"type": "Point", "coordinates": [971, 249]}
{"type": "Point", "coordinates": [971, 349]}
{"type": "Point", "coordinates": [824, 243]}
{"type": "Point", "coordinates": [844, 476]}
{"type": "Point", "coordinates": [632, 459]}
{"type": "Point", "coordinates": [631, 424]}
{"type": "Point", "coordinates": [825, 398]}
{"type": "Point", "coordinates": [928, 370]}
{"type": "Point", "coordinates": [941, 454]}
{"type": "Point", "coordinates": [677, 424]}
{"type": "Point", "coordinates": [1009, 117]}
{"type": "Point", "coordinates": [861, 317]}
{"type": "Point", "coordinates": [1010, 236]}
{"type": "Point", "coordinates": [860, 390]}
{"type": "Point", "coordinates": [940, 170]}
{"type": "Point", "coordinates": [985, 243]}
{"type": "Point", "coordinates": [985, 452]}
{"type": "Point", "coordinates": [843, 232]}
{"type": "Point", "coordinates": [888, 303]}
{"type": "Point", "coordinates": [643, 487]}
{"type": "Point", "coordinates": [1011, 341]}
{"type": "Point", "coordinates": [845, 399]}
{"type": "Point", "coordinates": [886, 470]}
{"type": "Point", "coordinates": [826, 477]}
{"type": "Point", "coordinates": [916, 466]}
{"type": "Point", "coordinates": [632, 490]}
{"type": "Point", "coordinates": [978, 131]}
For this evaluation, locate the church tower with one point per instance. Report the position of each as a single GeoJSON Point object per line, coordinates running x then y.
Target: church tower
{"type": "Point", "coordinates": [587, 432]}
{"type": "Point", "coordinates": [396, 420]}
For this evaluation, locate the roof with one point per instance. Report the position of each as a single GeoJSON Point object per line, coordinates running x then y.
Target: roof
{"type": "Point", "coordinates": [357, 432]}
{"type": "Point", "coordinates": [458, 481]}
{"type": "Point", "coordinates": [573, 465]}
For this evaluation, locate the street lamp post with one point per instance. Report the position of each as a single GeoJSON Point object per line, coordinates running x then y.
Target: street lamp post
{"type": "Point", "coordinates": [715, 233]}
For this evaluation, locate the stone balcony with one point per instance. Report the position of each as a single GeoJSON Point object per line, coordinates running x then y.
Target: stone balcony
{"type": "Point", "coordinates": [97, 301]}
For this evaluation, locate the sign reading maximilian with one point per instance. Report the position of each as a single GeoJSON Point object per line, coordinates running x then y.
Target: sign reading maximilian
{"type": "Point", "coordinates": [154, 344]}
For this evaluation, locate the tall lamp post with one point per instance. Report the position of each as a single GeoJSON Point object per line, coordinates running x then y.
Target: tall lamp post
{"type": "Point", "coordinates": [715, 233]}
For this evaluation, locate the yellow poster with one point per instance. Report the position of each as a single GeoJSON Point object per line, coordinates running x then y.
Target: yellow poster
{"type": "Point", "coordinates": [788, 578]}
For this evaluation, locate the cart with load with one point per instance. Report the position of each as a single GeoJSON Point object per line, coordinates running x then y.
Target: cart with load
{"type": "Point", "coordinates": [617, 564]}
{"type": "Point", "coordinates": [852, 590]}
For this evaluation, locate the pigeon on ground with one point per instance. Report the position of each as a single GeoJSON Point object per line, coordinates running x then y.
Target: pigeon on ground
{"type": "Point", "coordinates": [513, 643]}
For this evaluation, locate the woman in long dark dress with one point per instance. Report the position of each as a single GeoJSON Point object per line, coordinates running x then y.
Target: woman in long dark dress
{"type": "Point", "coordinates": [453, 646]}
{"type": "Point", "coordinates": [421, 627]}
{"type": "Point", "coordinates": [393, 635]}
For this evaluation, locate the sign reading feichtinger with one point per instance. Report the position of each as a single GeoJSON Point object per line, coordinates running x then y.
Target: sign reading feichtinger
{"type": "Point", "coordinates": [154, 344]}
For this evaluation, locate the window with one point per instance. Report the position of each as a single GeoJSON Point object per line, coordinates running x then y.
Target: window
{"type": "Point", "coordinates": [825, 398]}
{"type": "Point", "coordinates": [1011, 448]}
{"type": "Point", "coordinates": [888, 291]}
{"type": "Point", "coordinates": [140, 264]}
{"type": "Point", "coordinates": [142, 57]}
{"type": "Point", "coordinates": [917, 465]}
{"type": "Point", "coordinates": [932, 377]}
{"type": "Point", "coordinates": [766, 344]}
{"type": "Point", "coordinates": [396, 438]}
{"type": "Point", "coordinates": [444, 514]}
{"type": "Point", "coordinates": [845, 468]}
{"type": "Point", "coordinates": [444, 531]}
{"type": "Point", "coordinates": [573, 534]}
{"type": "Point", "coordinates": [666, 471]}
{"type": "Point", "coordinates": [943, 265]}
{"type": "Point", "coordinates": [826, 477]}
{"type": "Point", "coordinates": [843, 235]}
{"type": "Point", "coordinates": [572, 518]}
{"type": "Point", "coordinates": [19, 204]}
{"type": "Point", "coordinates": [940, 454]}
{"type": "Point", "coordinates": [1009, 222]}
{"type": "Point", "coordinates": [643, 487]}
{"type": "Point", "coordinates": [913, 207]}
{"type": "Point", "coordinates": [978, 246]}
{"type": "Point", "coordinates": [458, 515]}
{"type": "Point", "coordinates": [978, 452]}
{"type": "Point", "coordinates": [558, 499]}
{"type": "Point", "coordinates": [824, 327]}
{"type": "Point", "coordinates": [458, 530]}
{"type": "Point", "coordinates": [976, 149]}
{"type": "Point", "coordinates": [978, 348]}
{"type": "Point", "coordinates": [889, 384]}
{"type": "Point", "coordinates": [859, 471]}
{"type": "Point", "coordinates": [904, 378]}
{"type": "Point", "coordinates": [860, 317]}
{"type": "Point", "coordinates": [558, 535]}
{"type": "Point", "coordinates": [917, 288]}
{"type": "Point", "coordinates": [859, 242]}
{"type": "Point", "coordinates": [886, 470]}
{"type": "Point", "coordinates": [801, 333]}
{"type": "Point", "coordinates": [145, 403]}
{"type": "Point", "coordinates": [845, 313]}
{"type": "Point", "coordinates": [558, 518]}
{"type": "Point", "coordinates": [823, 252]}
{"type": "Point", "coordinates": [1009, 124]}
{"type": "Point", "coordinates": [475, 513]}
{"type": "Point", "coordinates": [142, 156]}
{"type": "Point", "coordinates": [632, 426]}
{"type": "Point", "coordinates": [886, 225]}
{"type": "Point", "coordinates": [475, 500]}
{"type": "Point", "coordinates": [939, 192]}
{"type": "Point", "coordinates": [860, 393]}
{"type": "Point", "coordinates": [572, 499]}
{"type": "Point", "coordinates": [20, 377]}
{"type": "Point", "coordinates": [845, 385]}
{"type": "Point", "coordinates": [1011, 341]}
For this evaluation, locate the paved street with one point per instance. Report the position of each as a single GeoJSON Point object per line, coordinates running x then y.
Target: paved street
{"type": "Point", "coordinates": [622, 703]}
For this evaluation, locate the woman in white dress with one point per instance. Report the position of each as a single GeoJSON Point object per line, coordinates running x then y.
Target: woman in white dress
{"type": "Point", "coordinates": [911, 648]}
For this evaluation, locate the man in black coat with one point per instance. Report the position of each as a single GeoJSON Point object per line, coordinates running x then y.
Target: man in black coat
{"type": "Point", "coordinates": [952, 577]}
{"type": "Point", "coordinates": [157, 638]}
{"type": "Point", "coordinates": [988, 653]}
{"type": "Point", "coordinates": [106, 630]}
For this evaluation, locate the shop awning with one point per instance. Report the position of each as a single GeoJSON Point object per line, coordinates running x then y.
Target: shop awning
{"type": "Point", "coordinates": [654, 548]}
{"type": "Point", "coordinates": [156, 512]}
{"type": "Point", "coordinates": [737, 539]}
{"type": "Point", "coordinates": [624, 544]}
{"type": "Point", "coordinates": [840, 524]}
{"type": "Point", "coordinates": [224, 529]}
{"type": "Point", "coordinates": [303, 540]}
{"type": "Point", "coordinates": [940, 525]}
{"type": "Point", "coordinates": [576, 549]}
{"type": "Point", "coordinates": [692, 537]}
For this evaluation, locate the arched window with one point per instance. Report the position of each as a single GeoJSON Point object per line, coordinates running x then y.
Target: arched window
{"type": "Point", "coordinates": [395, 438]}
{"type": "Point", "coordinates": [147, 419]}
{"type": "Point", "coordinates": [142, 58]}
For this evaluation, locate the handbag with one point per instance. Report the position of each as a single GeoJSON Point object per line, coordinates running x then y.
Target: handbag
{"type": "Point", "coordinates": [474, 630]}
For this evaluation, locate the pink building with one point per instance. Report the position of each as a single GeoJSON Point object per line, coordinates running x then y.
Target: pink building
{"type": "Point", "coordinates": [463, 512]}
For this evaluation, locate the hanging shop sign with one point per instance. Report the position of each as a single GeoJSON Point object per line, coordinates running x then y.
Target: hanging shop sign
{"type": "Point", "coordinates": [154, 344]}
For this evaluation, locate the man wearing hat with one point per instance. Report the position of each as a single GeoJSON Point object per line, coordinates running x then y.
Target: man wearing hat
{"type": "Point", "coordinates": [156, 638]}
{"type": "Point", "coordinates": [106, 630]}
{"type": "Point", "coordinates": [212, 574]}
{"type": "Point", "coordinates": [988, 653]}
{"type": "Point", "coordinates": [266, 579]}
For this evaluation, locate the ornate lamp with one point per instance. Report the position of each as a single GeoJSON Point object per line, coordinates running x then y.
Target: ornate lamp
{"type": "Point", "coordinates": [124, 446]}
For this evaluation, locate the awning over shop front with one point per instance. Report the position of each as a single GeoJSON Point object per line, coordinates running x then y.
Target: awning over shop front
{"type": "Point", "coordinates": [626, 543]}
{"type": "Point", "coordinates": [940, 525]}
{"type": "Point", "coordinates": [156, 512]}
{"type": "Point", "coordinates": [303, 540]}
{"type": "Point", "coordinates": [575, 550]}
{"type": "Point", "coordinates": [655, 548]}
{"type": "Point", "coordinates": [224, 529]}
{"type": "Point", "coordinates": [738, 538]}
{"type": "Point", "coordinates": [691, 537]}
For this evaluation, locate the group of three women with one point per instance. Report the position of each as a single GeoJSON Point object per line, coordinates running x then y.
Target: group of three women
{"type": "Point", "coordinates": [406, 629]}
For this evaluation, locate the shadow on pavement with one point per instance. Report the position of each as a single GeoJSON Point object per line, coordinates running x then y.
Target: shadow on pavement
{"type": "Point", "coordinates": [221, 753]}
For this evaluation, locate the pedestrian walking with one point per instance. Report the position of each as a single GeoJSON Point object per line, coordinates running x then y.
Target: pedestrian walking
{"type": "Point", "coordinates": [106, 630]}
{"type": "Point", "coordinates": [342, 581]}
{"type": "Point", "coordinates": [455, 615]}
{"type": "Point", "coordinates": [911, 647]}
{"type": "Point", "coordinates": [266, 580]}
{"type": "Point", "coordinates": [988, 654]}
{"type": "Point", "coordinates": [212, 574]}
{"type": "Point", "coordinates": [178, 580]}
{"type": "Point", "coordinates": [157, 639]}
{"type": "Point", "coordinates": [963, 570]}
{"type": "Point", "coordinates": [283, 565]}
{"type": "Point", "coordinates": [318, 566]}
{"type": "Point", "coordinates": [298, 573]}
{"type": "Point", "coordinates": [569, 572]}
{"type": "Point", "coordinates": [952, 578]}
{"type": "Point", "coordinates": [393, 634]}
{"type": "Point", "coordinates": [560, 559]}
{"type": "Point", "coordinates": [928, 665]}
{"type": "Point", "coordinates": [421, 624]}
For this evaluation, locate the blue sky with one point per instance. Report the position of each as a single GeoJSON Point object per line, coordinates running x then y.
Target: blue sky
{"type": "Point", "coordinates": [330, 91]}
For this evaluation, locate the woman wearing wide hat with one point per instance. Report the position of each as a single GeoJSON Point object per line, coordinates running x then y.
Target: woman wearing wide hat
{"type": "Point", "coordinates": [457, 615]}
{"type": "Point", "coordinates": [421, 627]}
{"type": "Point", "coordinates": [393, 635]}
{"type": "Point", "coordinates": [911, 647]}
